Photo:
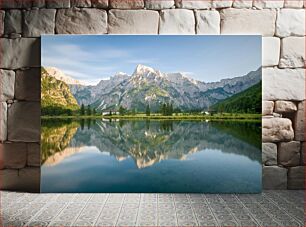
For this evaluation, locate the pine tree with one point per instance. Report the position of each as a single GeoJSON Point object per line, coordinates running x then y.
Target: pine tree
{"type": "Point", "coordinates": [133, 111]}
{"type": "Point", "coordinates": [88, 110]}
{"type": "Point", "coordinates": [148, 111]}
{"type": "Point", "coordinates": [168, 110]}
{"type": "Point", "coordinates": [164, 109]}
{"type": "Point", "coordinates": [121, 110]}
{"type": "Point", "coordinates": [82, 110]}
{"type": "Point", "coordinates": [171, 109]}
{"type": "Point", "coordinates": [69, 112]}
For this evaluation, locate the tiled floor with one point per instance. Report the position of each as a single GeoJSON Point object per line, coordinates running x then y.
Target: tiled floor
{"type": "Point", "coordinates": [271, 208]}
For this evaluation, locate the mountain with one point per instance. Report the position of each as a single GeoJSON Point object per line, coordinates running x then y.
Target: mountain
{"type": "Point", "coordinates": [247, 101]}
{"type": "Point", "coordinates": [90, 94]}
{"type": "Point", "coordinates": [151, 86]}
{"type": "Point", "coordinates": [56, 97]}
{"type": "Point", "coordinates": [59, 75]}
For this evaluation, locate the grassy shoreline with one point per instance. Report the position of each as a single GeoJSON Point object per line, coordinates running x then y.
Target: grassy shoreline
{"type": "Point", "coordinates": [217, 117]}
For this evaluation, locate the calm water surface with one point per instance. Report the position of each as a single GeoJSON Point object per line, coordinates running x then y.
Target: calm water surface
{"type": "Point", "coordinates": [151, 156]}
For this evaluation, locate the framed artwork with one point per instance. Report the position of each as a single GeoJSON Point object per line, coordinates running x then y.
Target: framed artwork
{"type": "Point", "coordinates": [162, 114]}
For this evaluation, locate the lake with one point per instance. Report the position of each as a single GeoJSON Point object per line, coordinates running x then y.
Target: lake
{"type": "Point", "coordinates": [150, 156]}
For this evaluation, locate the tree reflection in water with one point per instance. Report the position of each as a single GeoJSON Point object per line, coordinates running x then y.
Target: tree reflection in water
{"type": "Point", "coordinates": [149, 142]}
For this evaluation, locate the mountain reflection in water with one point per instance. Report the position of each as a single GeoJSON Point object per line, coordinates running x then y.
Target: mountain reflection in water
{"type": "Point", "coordinates": [151, 152]}
{"type": "Point", "coordinates": [148, 142]}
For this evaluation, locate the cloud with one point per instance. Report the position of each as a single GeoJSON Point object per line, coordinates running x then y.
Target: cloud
{"type": "Point", "coordinates": [142, 61]}
{"type": "Point", "coordinates": [92, 82]}
{"type": "Point", "coordinates": [112, 53]}
{"type": "Point", "coordinates": [84, 65]}
{"type": "Point", "coordinates": [89, 64]}
{"type": "Point", "coordinates": [84, 77]}
{"type": "Point", "coordinates": [187, 73]}
{"type": "Point", "coordinates": [71, 51]}
{"type": "Point", "coordinates": [78, 53]}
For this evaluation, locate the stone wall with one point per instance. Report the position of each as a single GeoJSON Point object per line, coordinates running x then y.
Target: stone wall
{"type": "Point", "coordinates": [281, 22]}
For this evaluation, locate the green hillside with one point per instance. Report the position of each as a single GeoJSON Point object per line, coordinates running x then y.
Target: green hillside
{"type": "Point", "coordinates": [56, 97]}
{"type": "Point", "coordinates": [248, 101]}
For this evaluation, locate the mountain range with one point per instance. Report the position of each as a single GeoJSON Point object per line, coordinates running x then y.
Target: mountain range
{"type": "Point", "coordinates": [148, 86]}
{"type": "Point", "coordinates": [247, 101]}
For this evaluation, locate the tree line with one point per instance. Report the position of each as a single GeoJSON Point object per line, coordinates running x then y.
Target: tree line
{"type": "Point", "coordinates": [165, 109]}
{"type": "Point", "coordinates": [87, 111]}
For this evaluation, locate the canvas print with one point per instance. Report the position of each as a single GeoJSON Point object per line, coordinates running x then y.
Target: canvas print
{"type": "Point", "coordinates": [166, 114]}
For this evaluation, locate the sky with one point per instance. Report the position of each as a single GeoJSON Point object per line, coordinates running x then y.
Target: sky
{"type": "Point", "coordinates": [90, 58]}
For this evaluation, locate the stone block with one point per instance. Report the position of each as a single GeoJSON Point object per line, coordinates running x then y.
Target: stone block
{"type": "Point", "coordinates": [277, 115]}
{"type": "Point", "coordinates": [159, 4]}
{"type": "Point", "coordinates": [30, 179]}
{"type": "Point", "coordinates": [289, 154]}
{"type": "Point", "coordinates": [293, 52]}
{"type": "Point", "coordinates": [262, 4]}
{"type": "Point", "coordinates": [290, 22]}
{"type": "Point", "coordinates": [296, 177]}
{"type": "Point", "coordinates": [178, 21]}
{"type": "Point", "coordinates": [24, 122]}
{"type": "Point", "coordinates": [33, 154]}
{"type": "Point", "coordinates": [13, 155]}
{"type": "Point", "coordinates": [13, 21]}
{"type": "Point", "coordinates": [100, 3]}
{"type": "Point", "coordinates": [285, 107]}
{"type": "Point", "coordinates": [3, 121]}
{"type": "Point", "coordinates": [274, 177]}
{"type": "Point", "coordinates": [39, 22]}
{"type": "Point", "coordinates": [299, 122]}
{"type": "Point", "coordinates": [9, 179]}
{"type": "Point", "coordinates": [208, 22]}
{"type": "Point", "coordinates": [133, 22]}
{"type": "Point", "coordinates": [248, 21]}
{"type": "Point", "coordinates": [126, 4]}
{"type": "Point", "coordinates": [269, 154]}
{"type": "Point", "coordinates": [283, 84]}
{"type": "Point", "coordinates": [20, 53]}
{"type": "Point", "coordinates": [56, 4]}
{"type": "Point", "coordinates": [25, 180]}
{"type": "Point", "coordinates": [267, 107]}
{"type": "Point", "coordinates": [222, 3]}
{"type": "Point", "coordinates": [303, 160]}
{"type": "Point", "coordinates": [39, 3]}
{"type": "Point", "coordinates": [15, 4]}
{"type": "Point", "coordinates": [242, 4]}
{"type": "Point", "coordinates": [80, 3]}
{"type": "Point", "coordinates": [27, 85]}
{"type": "Point", "coordinates": [2, 15]}
{"type": "Point", "coordinates": [293, 4]}
{"type": "Point", "coordinates": [192, 4]}
{"type": "Point", "coordinates": [81, 21]}
{"type": "Point", "coordinates": [270, 51]}
{"type": "Point", "coordinates": [7, 81]}
{"type": "Point", "coordinates": [277, 129]}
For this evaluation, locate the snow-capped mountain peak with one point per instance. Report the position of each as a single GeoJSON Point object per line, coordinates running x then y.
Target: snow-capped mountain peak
{"type": "Point", "coordinates": [145, 73]}
{"type": "Point", "coordinates": [142, 69]}
{"type": "Point", "coordinates": [60, 75]}
{"type": "Point", "coordinates": [120, 76]}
